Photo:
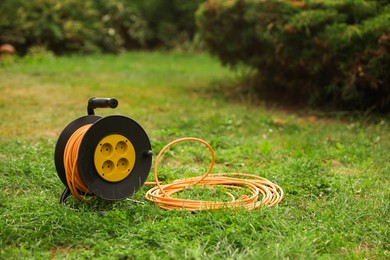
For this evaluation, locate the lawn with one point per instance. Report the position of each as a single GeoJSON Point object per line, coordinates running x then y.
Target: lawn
{"type": "Point", "coordinates": [333, 167]}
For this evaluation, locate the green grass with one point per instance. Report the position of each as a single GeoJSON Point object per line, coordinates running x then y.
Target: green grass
{"type": "Point", "coordinates": [335, 170]}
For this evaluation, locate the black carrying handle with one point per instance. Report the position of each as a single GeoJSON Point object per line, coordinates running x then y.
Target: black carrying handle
{"type": "Point", "coordinates": [100, 103]}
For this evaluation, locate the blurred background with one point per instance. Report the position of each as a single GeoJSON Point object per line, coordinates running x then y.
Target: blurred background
{"type": "Point", "coordinates": [328, 54]}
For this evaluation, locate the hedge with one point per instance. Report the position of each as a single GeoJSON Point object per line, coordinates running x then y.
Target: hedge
{"type": "Point", "coordinates": [333, 53]}
{"type": "Point", "coordinates": [72, 26]}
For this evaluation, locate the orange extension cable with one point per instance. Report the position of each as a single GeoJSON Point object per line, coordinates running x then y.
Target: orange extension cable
{"type": "Point", "coordinates": [270, 193]}
{"type": "Point", "coordinates": [75, 183]}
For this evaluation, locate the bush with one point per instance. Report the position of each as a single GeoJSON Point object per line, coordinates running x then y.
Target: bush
{"type": "Point", "coordinates": [171, 22]}
{"type": "Point", "coordinates": [122, 26]}
{"type": "Point", "coordinates": [61, 26]}
{"type": "Point", "coordinates": [319, 52]}
{"type": "Point", "coordinates": [96, 25]}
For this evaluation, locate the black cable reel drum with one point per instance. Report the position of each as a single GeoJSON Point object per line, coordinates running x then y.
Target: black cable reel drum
{"type": "Point", "coordinates": [114, 156]}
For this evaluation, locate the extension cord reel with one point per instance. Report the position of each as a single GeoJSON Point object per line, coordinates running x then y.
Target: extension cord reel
{"type": "Point", "coordinates": [114, 156]}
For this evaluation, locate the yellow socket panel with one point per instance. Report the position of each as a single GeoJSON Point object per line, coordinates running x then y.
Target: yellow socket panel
{"type": "Point", "coordinates": [114, 157]}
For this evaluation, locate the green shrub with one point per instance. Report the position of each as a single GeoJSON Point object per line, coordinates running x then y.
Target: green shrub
{"type": "Point", "coordinates": [96, 25]}
{"type": "Point", "coordinates": [319, 52]}
{"type": "Point", "coordinates": [122, 26]}
{"type": "Point", "coordinates": [61, 26]}
{"type": "Point", "coordinates": [171, 22]}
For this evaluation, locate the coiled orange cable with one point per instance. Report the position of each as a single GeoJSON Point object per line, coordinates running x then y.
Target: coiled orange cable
{"type": "Point", "coordinates": [270, 193]}
{"type": "Point", "coordinates": [75, 183]}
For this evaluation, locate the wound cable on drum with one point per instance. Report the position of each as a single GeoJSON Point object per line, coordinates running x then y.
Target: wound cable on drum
{"type": "Point", "coordinates": [76, 185]}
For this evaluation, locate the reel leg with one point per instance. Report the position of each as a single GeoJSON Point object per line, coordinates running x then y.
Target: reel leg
{"type": "Point", "coordinates": [64, 196]}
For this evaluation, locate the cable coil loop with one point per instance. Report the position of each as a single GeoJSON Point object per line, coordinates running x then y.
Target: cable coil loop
{"type": "Point", "coordinates": [270, 193]}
